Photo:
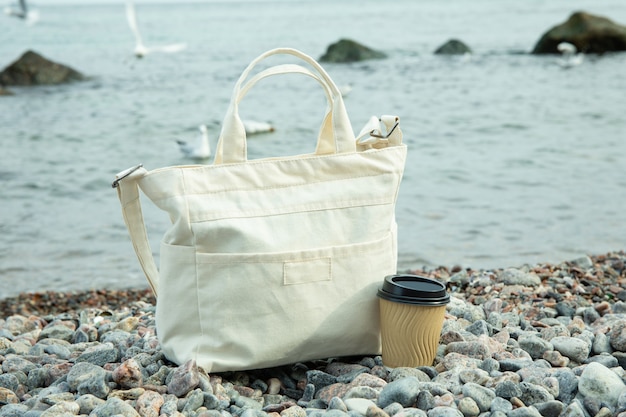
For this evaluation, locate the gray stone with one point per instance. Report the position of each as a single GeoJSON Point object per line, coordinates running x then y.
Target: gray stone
{"type": "Point", "coordinates": [599, 382]}
{"type": "Point", "coordinates": [468, 407]}
{"type": "Point", "coordinates": [512, 276]}
{"type": "Point", "coordinates": [589, 33]}
{"type": "Point", "coordinates": [360, 405]}
{"type": "Point", "coordinates": [550, 408]}
{"type": "Point", "coordinates": [114, 407]}
{"type": "Point", "coordinates": [482, 395]}
{"type": "Point", "coordinates": [532, 393]}
{"type": "Point", "coordinates": [211, 401]}
{"type": "Point", "coordinates": [403, 391]}
{"type": "Point", "coordinates": [425, 401]}
{"type": "Point", "coordinates": [617, 336]}
{"type": "Point", "coordinates": [13, 410]}
{"type": "Point", "coordinates": [88, 402]}
{"type": "Point", "coordinates": [444, 412]}
{"type": "Point", "coordinates": [514, 365]}
{"type": "Point", "coordinates": [508, 389]}
{"type": "Point", "coordinates": [601, 344]}
{"type": "Point", "coordinates": [58, 350]}
{"type": "Point", "coordinates": [500, 405]}
{"type": "Point", "coordinates": [453, 47]}
{"type": "Point", "coordinates": [336, 403]}
{"type": "Point", "coordinates": [100, 354]}
{"type": "Point", "coordinates": [62, 409]}
{"type": "Point", "coordinates": [535, 346]}
{"type": "Point", "coordinates": [57, 331]}
{"type": "Point", "coordinates": [403, 372]}
{"type": "Point", "coordinates": [13, 363]}
{"type": "Point", "coordinates": [33, 69]}
{"type": "Point", "coordinates": [320, 379]}
{"type": "Point", "coordinates": [9, 381]}
{"type": "Point", "coordinates": [480, 327]}
{"type": "Point", "coordinates": [346, 50]}
{"type": "Point", "coordinates": [195, 400]}
{"type": "Point", "coordinates": [568, 385]}
{"type": "Point", "coordinates": [524, 412]}
{"type": "Point", "coordinates": [574, 410]}
{"type": "Point", "coordinates": [393, 408]}
{"type": "Point", "coordinates": [606, 359]}
{"type": "Point", "coordinates": [574, 348]}
{"type": "Point", "coordinates": [361, 392]}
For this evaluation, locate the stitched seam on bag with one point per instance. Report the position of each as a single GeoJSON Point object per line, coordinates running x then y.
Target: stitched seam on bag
{"type": "Point", "coordinates": [264, 212]}
{"type": "Point", "coordinates": [341, 251]}
{"type": "Point", "coordinates": [192, 168]}
{"type": "Point", "coordinates": [288, 159]}
{"type": "Point", "coordinates": [193, 236]}
{"type": "Point", "coordinates": [278, 187]}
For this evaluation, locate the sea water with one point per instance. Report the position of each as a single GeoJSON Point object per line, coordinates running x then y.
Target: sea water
{"type": "Point", "coordinates": [513, 159]}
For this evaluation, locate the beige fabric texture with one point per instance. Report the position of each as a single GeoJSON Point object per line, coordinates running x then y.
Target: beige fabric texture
{"type": "Point", "coordinates": [272, 261]}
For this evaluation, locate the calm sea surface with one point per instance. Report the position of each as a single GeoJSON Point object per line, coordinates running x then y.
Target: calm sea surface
{"type": "Point", "coordinates": [512, 158]}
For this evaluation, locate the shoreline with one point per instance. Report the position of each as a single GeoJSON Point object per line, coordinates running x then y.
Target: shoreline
{"type": "Point", "coordinates": [55, 302]}
{"type": "Point", "coordinates": [543, 340]}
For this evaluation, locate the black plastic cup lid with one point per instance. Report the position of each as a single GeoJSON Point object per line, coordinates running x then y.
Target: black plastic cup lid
{"type": "Point", "coordinates": [414, 289]}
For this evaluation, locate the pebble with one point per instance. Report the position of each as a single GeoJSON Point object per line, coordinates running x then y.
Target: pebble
{"type": "Point", "coordinates": [543, 340]}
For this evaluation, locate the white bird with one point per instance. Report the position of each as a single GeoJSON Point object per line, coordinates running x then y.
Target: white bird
{"type": "Point", "coordinates": [570, 57]}
{"type": "Point", "coordinates": [22, 13]}
{"type": "Point", "coordinates": [201, 150]}
{"type": "Point", "coordinates": [30, 16]}
{"type": "Point", "coordinates": [345, 89]}
{"type": "Point", "coordinates": [140, 49]}
{"type": "Point", "coordinates": [253, 127]}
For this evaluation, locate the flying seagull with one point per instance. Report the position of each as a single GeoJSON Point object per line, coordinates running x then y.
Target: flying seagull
{"type": "Point", "coordinates": [140, 49]}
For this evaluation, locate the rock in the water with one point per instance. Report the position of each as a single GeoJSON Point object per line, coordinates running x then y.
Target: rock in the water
{"type": "Point", "coordinates": [346, 50]}
{"type": "Point", "coordinates": [589, 33]}
{"type": "Point", "coordinates": [33, 69]}
{"type": "Point", "coordinates": [453, 47]}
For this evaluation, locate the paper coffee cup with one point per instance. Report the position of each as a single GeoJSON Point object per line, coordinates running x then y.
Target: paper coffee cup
{"type": "Point", "coordinates": [412, 310]}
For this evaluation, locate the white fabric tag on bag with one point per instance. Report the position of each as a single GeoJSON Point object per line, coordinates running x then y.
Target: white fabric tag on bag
{"type": "Point", "coordinates": [309, 270]}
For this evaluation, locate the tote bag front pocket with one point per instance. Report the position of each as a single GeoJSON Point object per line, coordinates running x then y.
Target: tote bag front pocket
{"type": "Point", "coordinates": [296, 303]}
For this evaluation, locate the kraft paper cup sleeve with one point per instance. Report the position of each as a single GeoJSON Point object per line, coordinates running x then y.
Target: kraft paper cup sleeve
{"type": "Point", "coordinates": [412, 312]}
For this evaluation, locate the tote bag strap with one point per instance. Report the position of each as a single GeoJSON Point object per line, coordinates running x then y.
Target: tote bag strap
{"type": "Point", "coordinates": [128, 193]}
{"type": "Point", "coordinates": [297, 69]}
{"type": "Point", "coordinates": [336, 135]}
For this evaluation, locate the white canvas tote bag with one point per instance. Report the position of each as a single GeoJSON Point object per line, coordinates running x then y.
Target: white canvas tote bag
{"type": "Point", "coordinates": [278, 260]}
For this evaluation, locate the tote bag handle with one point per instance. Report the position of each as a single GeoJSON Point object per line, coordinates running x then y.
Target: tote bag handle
{"type": "Point", "coordinates": [336, 135]}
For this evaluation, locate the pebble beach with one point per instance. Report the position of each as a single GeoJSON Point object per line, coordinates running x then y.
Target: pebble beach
{"type": "Point", "coordinates": [536, 340]}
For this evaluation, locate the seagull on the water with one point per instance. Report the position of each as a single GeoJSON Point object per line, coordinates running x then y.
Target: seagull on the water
{"type": "Point", "coordinates": [253, 127]}
{"type": "Point", "coordinates": [201, 150]}
{"type": "Point", "coordinates": [570, 57]}
{"type": "Point", "coordinates": [140, 49]}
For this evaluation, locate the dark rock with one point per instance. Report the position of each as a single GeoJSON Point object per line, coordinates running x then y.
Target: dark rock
{"type": "Point", "coordinates": [568, 385]}
{"type": "Point", "coordinates": [550, 408]}
{"type": "Point", "coordinates": [346, 50]}
{"type": "Point", "coordinates": [453, 47]}
{"type": "Point", "coordinates": [33, 69]}
{"type": "Point", "coordinates": [425, 401]}
{"type": "Point", "coordinates": [320, 379]}
{"type": "Point", "coordinates": [508, 389]}
{"type": "Point", "coordinates": [587, 32]}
